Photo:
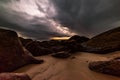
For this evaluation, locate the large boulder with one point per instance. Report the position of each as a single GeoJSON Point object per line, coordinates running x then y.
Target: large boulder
{"type": "Point", "coordinates": [108, 41]}
{"type": "Point", "coordinates": [12, 54]}
{"type": "Point", "coordinates": [38, 50]}
{"type": "Point", "coordinates": [61, 54]}
{"type": "Point", "coordinates": [14, 76]}
{"type": "Point", "coordinates": [74, 43]}
{"type": "Point", "coordinates": [78, 39]}
{"type": "Point", "coordinates": [111, 67]}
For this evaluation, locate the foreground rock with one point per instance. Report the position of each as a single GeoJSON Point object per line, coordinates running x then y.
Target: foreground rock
{"type": "Point", "coordinates": [61, 54]}
{"type": "Point", "coordinates": [14, 76]}
{"type": "Point", "coordinates": [111, 67]}
{"type": "Point", "coordinates": [12, 54]}
{"type": "Point", "coordinates": [106, 42]}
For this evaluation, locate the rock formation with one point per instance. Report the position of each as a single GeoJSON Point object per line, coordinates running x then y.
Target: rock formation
{"type": "Point", "coordinates": [25, 41]}
{"type": "Point", "coordinates": [12, 54]}
{"type": "Point", "coordinates": [71, 45]}
{"type": "Point", "coordinates": [14, 76]}
{"type": "Point", "coordinates": [74, 43]}
{"type": "Point", "coordinates": [111, 67]}
{"type": "Point", "coordinates": [61, 54]}
{"type": "Point", "coordinates": [36, 49]}
{"type": "Point", "coordinates": [108, 41]}
{"type": "Point", "coordinates": [79, 39]}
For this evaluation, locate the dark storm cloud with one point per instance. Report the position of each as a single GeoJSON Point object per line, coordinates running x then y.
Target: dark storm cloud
{"type": "Point", "coordinates": [87, 17]}
{"type": "Point", "coordinates": [30, 28]}
{"type": "Point", "coordinates": [35, 33]}
{"type": "Point", "coordinates": [92, 16]}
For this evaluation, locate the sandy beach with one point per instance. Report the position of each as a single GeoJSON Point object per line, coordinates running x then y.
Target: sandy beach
{"type": "Point", "coordinates": [73, 68]}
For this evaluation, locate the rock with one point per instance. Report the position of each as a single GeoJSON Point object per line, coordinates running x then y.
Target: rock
{"type": "Point", "coordinates": [30, 59]}
{"type": "Point", "coordinates": [58, 48]}
{"type": "Point", "coordinates": [36, 49]}
{"type": "Point", "coordinates": [78, 39]}
{"type": "Point", "coordinates": [14, 76]}
{"type": "Point", "coordinates": [51, 43]}
{"type": "Point", "coordinates": [106, 42]}
{"type": "Point", "coordinates": [61, 54]}
{"type": "Point", "coordinates": [117, 58]}
{"type": "Point", "coordinates": [73, 57]}
{"type": "Point", "coordinates": [111, 67]}
{"type": "Point", "coordinates": [12, 54]}
{"type": "Point", "coordinates": [25, 41]}
{"type": "Point", "coordinates": [46, 47]}
{"type": "Point", "coordinates": [72, 45]}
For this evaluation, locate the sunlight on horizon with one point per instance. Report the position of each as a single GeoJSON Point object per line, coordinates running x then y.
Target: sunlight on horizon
{"type": "Point", "coordinates": [59, 38]}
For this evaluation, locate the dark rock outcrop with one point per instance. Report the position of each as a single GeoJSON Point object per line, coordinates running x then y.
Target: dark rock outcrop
{"type": "Point", "coordinates": [25, 41]}
{"type": "Point", "coordinates": [14, 76]}
{"type": "Point", "coordinates": [71, 45]}
{"type": "Point", "coordinates": [61, 54]}
{"type": "Point", "coordinates": [74, 46]}
{"type": "Point", "coordinates": [111, 67]}
{"type": "Point", "coordinates": [108, 41]}
{"type": "Point", "coordinates": [78, 39]}
{"type": "Point", "coordinates": [12, 54]}
{"type": "Point", "coordinates": [74, 43]}
{"type": "Point", "coordinates": [36, 49]}
{"type": "Point", "coordinates": [45, 47]}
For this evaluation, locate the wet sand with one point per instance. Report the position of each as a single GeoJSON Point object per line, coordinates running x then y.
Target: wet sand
{"type": "Point", "coordinates": [73, 68]}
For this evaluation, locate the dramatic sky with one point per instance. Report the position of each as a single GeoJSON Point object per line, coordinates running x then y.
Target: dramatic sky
{"type": "Point", "coordinates": [42, 19]}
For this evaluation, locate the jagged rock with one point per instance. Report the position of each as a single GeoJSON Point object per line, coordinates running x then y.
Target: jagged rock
{"type": "Point", "coordinates": [36, 49]}
{"type": "Point", "coordinates": [46, 47]}
{"type": "Point", "coordinates": [52, 43]}
{"type": "Point", "coordinates": [72, 45]}
{"type": "Point", "coordinates": [25, 41]}
{"type": "Point", "coordinates": [108, 41]}
{"type": "Point", "coordinates": [61, 54]}
{"type": "Point", "coordinates": [58, 48]}
{"type": "Point", "coordinates": [78, 39]}
{"type": "Point", "coordinates": [29, 57]}
{"type": "Point", "coordinates": [111, 67]}
{"type": "Point", "coordinates": [14, 76]}
{"type": "Point", "coordinates": [12, 54]}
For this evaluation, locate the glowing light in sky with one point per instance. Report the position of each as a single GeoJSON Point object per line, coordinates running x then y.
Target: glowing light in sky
{"type": "Point", "coordinates": [44, 10]}
{"type": "Point", "coordinates": [60, 38]}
